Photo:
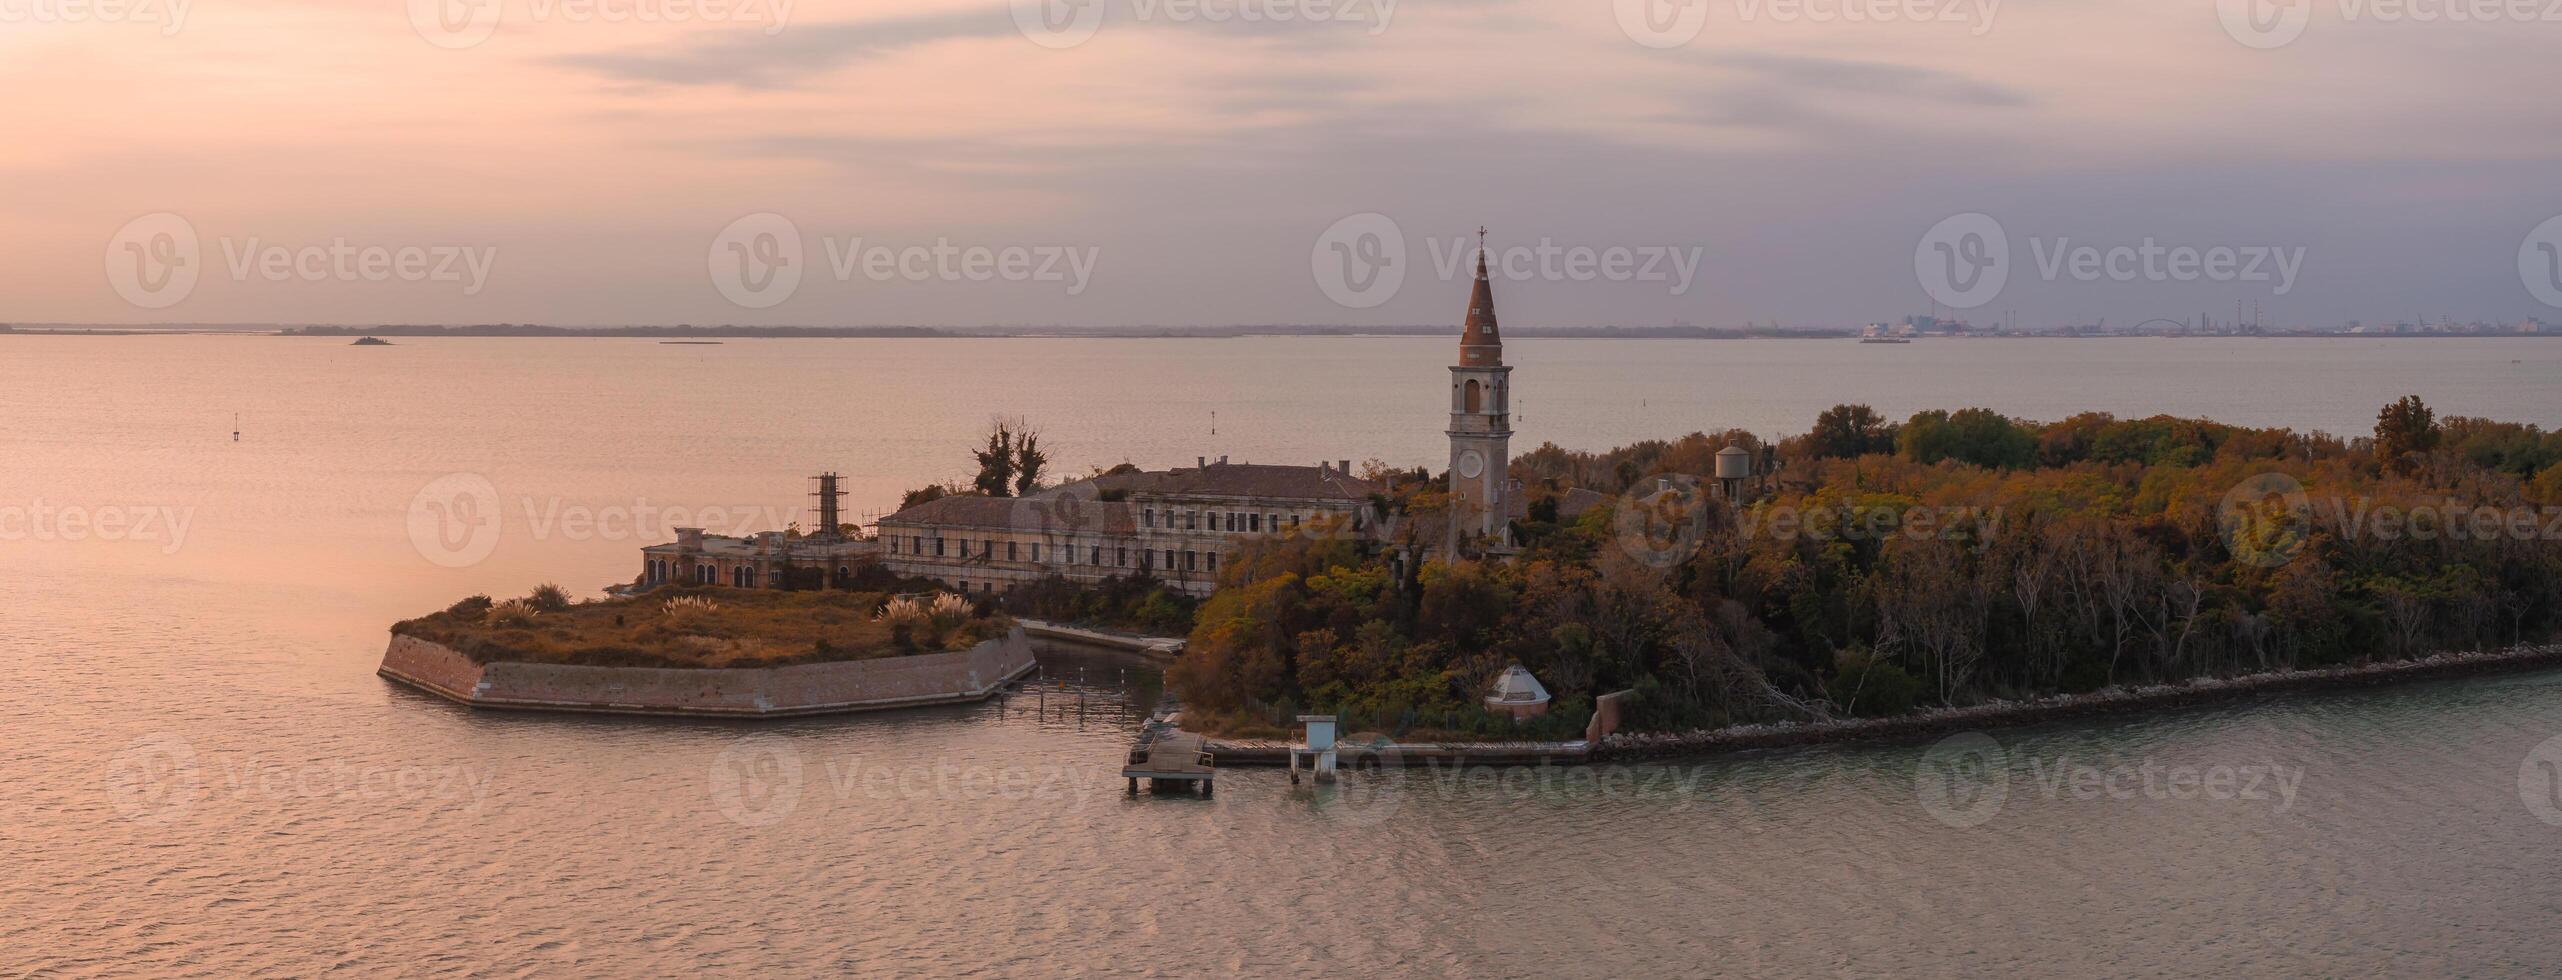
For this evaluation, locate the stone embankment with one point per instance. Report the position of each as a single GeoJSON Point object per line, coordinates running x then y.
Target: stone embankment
{"type": "Point", "coordinates": [753, 692]}
{"type": "Point", "coordinates": [1166, 647]}
{"type": "Point", "coordinates": [1636, 745]}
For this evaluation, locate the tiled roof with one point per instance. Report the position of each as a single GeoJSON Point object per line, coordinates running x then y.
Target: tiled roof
{"type": "Point", "coordinates": [1062, 510]}
{"type": "Point", "coordinates": [1254, 480]}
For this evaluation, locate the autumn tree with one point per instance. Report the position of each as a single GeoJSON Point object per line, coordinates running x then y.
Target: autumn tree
{"type": "Point", "coordinates": [2404, 431]}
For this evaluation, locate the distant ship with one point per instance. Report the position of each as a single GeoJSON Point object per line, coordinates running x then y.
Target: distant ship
{"type": "Point", "coordinates": [1883, 340]}
{"type": "Point", "coordinates": [370, 342]}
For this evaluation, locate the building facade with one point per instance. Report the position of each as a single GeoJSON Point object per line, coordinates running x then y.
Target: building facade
{"type": "Point", "coordinates": [1176, 525]}
{"type": "Point", "coordinates": [765, 560]}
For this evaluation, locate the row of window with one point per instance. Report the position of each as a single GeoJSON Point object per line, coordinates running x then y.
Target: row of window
{"type": "Point", "coordinates": [1234, 520]}
{"type": "Point", "coordinates": [705, 573]}
{"type": "Point", "coordinates": [1189, 561]}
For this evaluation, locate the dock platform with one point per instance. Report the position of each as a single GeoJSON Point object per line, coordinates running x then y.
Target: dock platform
{"type": "Point", "coordinates": [1170, 759]}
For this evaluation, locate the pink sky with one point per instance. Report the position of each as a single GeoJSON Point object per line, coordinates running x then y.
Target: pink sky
{"type": "Point", "coordinates": [594, 162]}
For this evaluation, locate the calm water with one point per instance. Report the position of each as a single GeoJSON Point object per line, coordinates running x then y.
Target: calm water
{"type": "Point", "coordinates": [201, 773]}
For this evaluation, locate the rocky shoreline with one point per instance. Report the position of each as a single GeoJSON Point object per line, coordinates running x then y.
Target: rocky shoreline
{"type": "Point", "coordinates": [750, 692]}
{"type": "Point", "coordinates": [1626, 746]}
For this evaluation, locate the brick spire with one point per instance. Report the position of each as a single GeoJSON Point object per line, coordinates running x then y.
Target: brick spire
{"type": "Point", "coordinates": [1481, 344]}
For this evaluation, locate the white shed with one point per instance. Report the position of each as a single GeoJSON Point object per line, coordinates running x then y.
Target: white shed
{"type": "Point", "coordinates": [1518, 694]}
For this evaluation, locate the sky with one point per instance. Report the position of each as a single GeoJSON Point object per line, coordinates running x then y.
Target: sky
{"type": "Point", "coordinates": [1218, 162]}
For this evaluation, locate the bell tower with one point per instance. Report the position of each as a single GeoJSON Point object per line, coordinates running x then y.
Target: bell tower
{"type": "Point", "coordinates": [1481, 416]}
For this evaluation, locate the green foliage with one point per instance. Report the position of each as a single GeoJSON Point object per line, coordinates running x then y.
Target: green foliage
{"type": "Point", "coordinates": [1849, 432]}
{"type": "Point", "coordinates": [1978, 436]}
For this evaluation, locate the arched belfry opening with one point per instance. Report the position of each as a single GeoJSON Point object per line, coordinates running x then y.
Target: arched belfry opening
{"type": "Point", "coordinates": [1475, 398]}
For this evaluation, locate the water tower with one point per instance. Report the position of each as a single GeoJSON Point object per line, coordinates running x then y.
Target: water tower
{"type": "Point", "coordinates": [1734, 465]}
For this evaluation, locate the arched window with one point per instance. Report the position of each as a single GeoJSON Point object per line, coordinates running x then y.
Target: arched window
{"type": "Point", "coordinates": [1475, 399]}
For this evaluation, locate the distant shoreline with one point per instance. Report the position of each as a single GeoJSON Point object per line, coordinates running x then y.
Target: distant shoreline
{"type": "Point", "coordinates": [1148, 333]}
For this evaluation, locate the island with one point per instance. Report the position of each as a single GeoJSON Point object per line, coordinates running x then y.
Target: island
{"type": "Point", "coordinates": [711, 651]}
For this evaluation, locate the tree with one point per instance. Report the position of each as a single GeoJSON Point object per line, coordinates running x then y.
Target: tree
{"type": "Point", "coordinates": [1974, 435]}
{"type": "Point", "coordinates": [924, 495]}
{"type": "Point", "coordinates": [2403, 431]}
{"type": "Point", "coordinates": [1028, 459]}
{"type": "Point", "coordinates": [1849, 432]}
{"type": "Point", "coordinates": [997, 461]}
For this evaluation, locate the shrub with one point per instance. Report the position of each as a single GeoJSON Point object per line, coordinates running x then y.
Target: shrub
{"type": "Point", "coordinates": [513, 612]}
{"type": "Point", "coordinates": [547, 597]}
{"type": "Point", "coordinates": [471, 607]}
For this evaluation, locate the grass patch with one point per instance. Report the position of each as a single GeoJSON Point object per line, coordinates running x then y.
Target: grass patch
{"type": "Point", "coordinates": [706, 626]}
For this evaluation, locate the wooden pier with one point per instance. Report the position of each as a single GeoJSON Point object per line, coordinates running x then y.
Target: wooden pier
{"type": "Point", "coordinates": [1169, 759]}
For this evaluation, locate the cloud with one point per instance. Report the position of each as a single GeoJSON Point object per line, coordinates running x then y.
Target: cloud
{"type": "Point", "coordinates": [788, 58]}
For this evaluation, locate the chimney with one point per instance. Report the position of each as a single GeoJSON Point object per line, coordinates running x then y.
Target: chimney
{"type": "Point", "coordinates": [689, 538]}
{"type": "Point", "coordinates": [1343, 466]}
{"type": "Point", "coordinates": [1223, 459]}
{"type": "Point", "coordinates": [1201, 462]}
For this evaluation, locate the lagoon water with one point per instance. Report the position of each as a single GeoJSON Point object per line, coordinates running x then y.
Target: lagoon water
{"type": "Point", "coordinates": [200, 773]}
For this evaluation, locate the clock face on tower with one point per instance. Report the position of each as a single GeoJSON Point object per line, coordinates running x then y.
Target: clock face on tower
{"type": "Point", "coordinates": [1471, 465]}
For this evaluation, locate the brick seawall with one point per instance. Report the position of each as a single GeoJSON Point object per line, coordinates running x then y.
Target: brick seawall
{"type": "Point", "coordinates": [803, 689]}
